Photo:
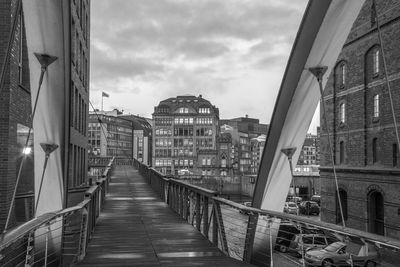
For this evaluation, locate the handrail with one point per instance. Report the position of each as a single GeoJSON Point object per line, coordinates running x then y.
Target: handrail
{"type": "Point", "coordinates": [373, 238]}
{"type": "Point", "coordinates": [74, 233]}
{"type": "Point", "coordinates": [195, 188]}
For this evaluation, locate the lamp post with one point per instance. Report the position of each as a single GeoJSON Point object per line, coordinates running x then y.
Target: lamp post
{"type": "Point", "coordinates": [289, 154]}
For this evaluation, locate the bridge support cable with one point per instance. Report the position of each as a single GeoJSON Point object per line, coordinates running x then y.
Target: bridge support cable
{"type": "Point", "coordinates": [319, 72]}
{"type": "Point", "coordinates": [45, 61]}
{"type": "Point", "coordinates": [378, 27]}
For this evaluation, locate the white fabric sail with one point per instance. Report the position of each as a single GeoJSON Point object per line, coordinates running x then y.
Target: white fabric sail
{"type": "Point", "coordinates": [322, 34]}
{"type": "Point", "coordinates": [45, 33]}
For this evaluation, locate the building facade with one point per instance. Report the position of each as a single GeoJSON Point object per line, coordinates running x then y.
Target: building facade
{"type": "Point", "coordinates": [361, 124]}
{"type": "Point", "coordinates": [309, 154]}
{"type": "Point", "coordinates": [243, 130]}
{"type": "Point", "coordinates": [184, 129]}
{"type": "Point", "coordinates": [142, 138]}
{"type": "Point", "coordinates": [16, 108]}
{"type": "Point", "coordinates": [110, 135]}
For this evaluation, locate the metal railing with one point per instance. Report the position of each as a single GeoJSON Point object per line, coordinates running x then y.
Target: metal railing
{"type": "Point", "coordinates": [268, 238]}
{"type": "Point", "coordinates": [57, 238]}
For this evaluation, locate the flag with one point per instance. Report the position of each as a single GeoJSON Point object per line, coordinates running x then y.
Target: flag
{"type": "Point", "coordinates": [105, 95]}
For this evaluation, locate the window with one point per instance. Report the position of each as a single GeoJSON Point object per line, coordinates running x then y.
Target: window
{"type": "Point", "coordinates": [374, 150]}
{"type": "Point", "coordinates": [341, 152]}
{"type": "Point", "coordinates": [343, 74]}
{"type": "Point", "coordinates": [376, 106]}
{"type": "Point", "coordinates": [183, 110]}
{"type": "Point", "coordinates": [375, 61]}
{"type": "Point", "coordinates": [342, 113]}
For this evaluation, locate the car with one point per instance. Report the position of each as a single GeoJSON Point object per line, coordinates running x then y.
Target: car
{"type": "Point", "coordinates": [304, 242]}
{"type": "Point", "coordinates": [291, 208]}
{"type": "Point", "coordinates": [294, 199]}
{"type": "Point", "coordinates": [316, 198]}
{"type": "Point", "coordinates": [285, 236]}
{"type": "Point", "coordinates": [343, 254]}
{"type": "Point", "coordinates": [309, 207]}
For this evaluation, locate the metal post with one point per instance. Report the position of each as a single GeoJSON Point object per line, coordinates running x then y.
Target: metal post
{"type": "Point", "coordinates": [198, 217]}
{"type": "Point", "coordinates": [205, 217]}
{"type": "Point", "coordinates": [47, 245]}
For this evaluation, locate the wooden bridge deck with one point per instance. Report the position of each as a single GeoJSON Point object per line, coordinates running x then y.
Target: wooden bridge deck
{"type": "Point", "coordinates": [136, 228]}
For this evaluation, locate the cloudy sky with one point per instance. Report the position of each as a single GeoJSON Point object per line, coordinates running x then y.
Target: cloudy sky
{"type": "Point", "coordinates": [233, 52]}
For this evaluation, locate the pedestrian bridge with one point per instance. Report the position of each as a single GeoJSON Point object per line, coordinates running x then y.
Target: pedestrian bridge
{"type": "Point", "coordinates": [134, 216]}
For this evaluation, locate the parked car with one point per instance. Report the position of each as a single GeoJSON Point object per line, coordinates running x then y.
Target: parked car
{"type": "Point", "coordinates": [304, 242]}
{"type": "Point", "coordinates": [247, 204]}
{"type": "Point", "coordinates": [343, 254]}
{"type": "Point", "coordinates": [285, 236]}
{"type": "Point", "coordinates": [309, 207]}
{"type": "Point", "coordinates": [294, 199]}
{"type": "Point", "coordinates": [316, 198]}
{"type": "Point", "coordinates": [291, 207]}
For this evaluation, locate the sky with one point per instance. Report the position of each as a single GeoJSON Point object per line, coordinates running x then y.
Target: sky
{"type": "Point", "coordinates": [232, 52]}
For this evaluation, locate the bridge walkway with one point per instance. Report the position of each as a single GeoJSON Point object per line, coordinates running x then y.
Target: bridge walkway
{"type": "Point", "coordinates": [136, 228]}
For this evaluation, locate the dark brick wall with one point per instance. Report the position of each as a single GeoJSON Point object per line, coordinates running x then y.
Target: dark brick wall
{"type": "Point", "coordinates": [15, 108]}
{"type": "Point", "coordinates": [358, 174]}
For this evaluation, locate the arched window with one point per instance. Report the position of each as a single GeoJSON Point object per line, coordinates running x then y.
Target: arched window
{"type": "Point", "coordinates": [376, 106]}
{"type": "Point", "coordinates": [342, 112]}
{"type": "Point", "coordinates": [374, 150]}
{"type": "Point", "coordinates": [376, 213]}
{"type": "Point", "coordinates": [343, 74]}
{"type": "Point", "coordinates": [375, 61]}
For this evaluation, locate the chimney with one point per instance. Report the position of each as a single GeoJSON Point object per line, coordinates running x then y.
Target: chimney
{"type": "Point", "coordinates": [247, 115]}
{"type": "Point", "coordinates": [200, 96]}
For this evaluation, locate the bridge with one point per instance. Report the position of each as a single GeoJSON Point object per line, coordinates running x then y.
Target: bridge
{"type": "Point", "coordinates": [134, 216]}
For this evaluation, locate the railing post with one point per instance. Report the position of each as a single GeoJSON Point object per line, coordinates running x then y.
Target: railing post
{"type": "Point", "coordinates": [250, 235]}
{"type": "Point", "coordinates": [83, 237]}
{"type": "Point", "coordinates": [205, 216]}
{"type": "Point", "coordinates": [221, 228]}
{"type": "Point", "coordinates": [185, 203]}
{"type": "Point", "coordinates": [198, 215]}
{"type": "Point", "coordinates": [181, 200]}
{"type": "Point", "coordinates": [214, 227]}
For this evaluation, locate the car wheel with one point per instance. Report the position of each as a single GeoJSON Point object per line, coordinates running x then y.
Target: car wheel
{"type": "Point", "coordinates": [327, 263]}
{"type": "Point", "coordinates": [283, 248]}
{"type": "Point", "coordinates": [370, 264]}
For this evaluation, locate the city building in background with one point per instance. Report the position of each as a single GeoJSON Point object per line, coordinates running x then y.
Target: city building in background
{"type": "Point", "coordinates": [360, 122]}
{"type": "Point", "coordinates": [110, 135]}
{"type": "Point", "coordinates": [16, 108]}
{"type": "Point", "coordinates": [306, 181]}
{"type": "Point", "coordinates": [257, 148]}
{"type": "Point", "coordinates": [185, 130]}
{"type": "Point", "coordinates": [242, 131]}
{"type": "Point", "coordinates": [309, 154]}
{"type": "Point", "coordinates": [142, 138]}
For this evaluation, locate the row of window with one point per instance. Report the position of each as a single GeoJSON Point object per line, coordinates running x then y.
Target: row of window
{"type": "Point", "coordinates": [77, 166]}
{"type": "Point", "coordinates": [163, 142]}
{"type": "Point", "coordinates": [78, 111]}
{"type": "Point", "coordinates": [376, 112]}
{"type": "Point", "coordinates": [373, 57]}
{"type": "Point", "coordinates": [375, 154]}
{"type": "Point", "coordinates": [163, 132]}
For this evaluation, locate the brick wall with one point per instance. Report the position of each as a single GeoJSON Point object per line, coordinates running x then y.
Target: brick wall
{"type": "Point", "coordinates": [358, 174]}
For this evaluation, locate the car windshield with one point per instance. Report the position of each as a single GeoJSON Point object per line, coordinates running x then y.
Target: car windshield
{"type": "Point", "coordinates": [333, 247]}
{"type": "Point", "coordinates": [292, 205]}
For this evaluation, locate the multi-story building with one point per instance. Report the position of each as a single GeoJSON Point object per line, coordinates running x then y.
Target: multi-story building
{"type": "Point", "coordinates": [142, 138]}
{"type": "Point", "coordinates": [257, 148]}
{"type": "Point", "coordinates": [242, 131]}
{"type": "Point", "coordinates": [361, 125]}
{"type": "Point", "coordinates": [110, 135]}
{"type": "Point", "coordinates": [184, 129]}
{"type": "Point", "coordinates": [225, 155]}
{"type": "Point", "coordinates": [16, 107]}
{"type": "Point", "coordinates": [309, 154]}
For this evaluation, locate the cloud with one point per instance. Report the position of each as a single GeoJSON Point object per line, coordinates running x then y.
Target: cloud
{"type": "Point", "coordinates": [221, 49]}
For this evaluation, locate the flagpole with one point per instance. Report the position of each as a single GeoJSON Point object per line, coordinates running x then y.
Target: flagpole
{"type": "Point", "coordinates": [102, 96]}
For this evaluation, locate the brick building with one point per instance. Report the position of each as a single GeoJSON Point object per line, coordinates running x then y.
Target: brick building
{"type": "Point", "coordinates": [360, 121]}
{"type": "Point", "coordinates": [185, 129]}
{"type": "Point", "coordinates": [309, 154]}
{"type": "Point", "coordinates": [15, 109]}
